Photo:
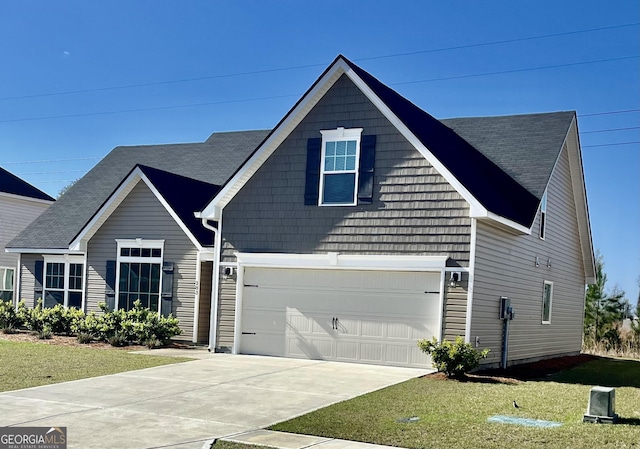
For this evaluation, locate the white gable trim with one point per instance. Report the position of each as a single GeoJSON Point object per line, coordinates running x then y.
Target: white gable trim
{"type": "Point", "coordinates": [288, 124]}
{"type": "Point", "coordinates": [297, 114]}
{"type": "Point", "coordinates": [574, 153]}
{"type": "Point", "coordinates": [116, 198]}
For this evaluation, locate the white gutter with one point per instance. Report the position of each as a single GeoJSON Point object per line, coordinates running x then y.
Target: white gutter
{"type": "Point", "coordinates": [215, 279]}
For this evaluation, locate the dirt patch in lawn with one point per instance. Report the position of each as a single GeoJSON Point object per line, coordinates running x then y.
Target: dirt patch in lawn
{"type": "Point", "coordinates": [525, 371]}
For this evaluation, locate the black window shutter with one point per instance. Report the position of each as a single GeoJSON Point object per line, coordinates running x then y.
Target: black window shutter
{"type": "Point", "coordinates": [367, 161]}
{"type": "Point", "coordinates": [38, 275]}
{"type": "Point", "coordinates": [312, 181]}
{"type": "Point", "coordinates": [110, 287]}
{"type": "Point", "coordinates": [167, 288]}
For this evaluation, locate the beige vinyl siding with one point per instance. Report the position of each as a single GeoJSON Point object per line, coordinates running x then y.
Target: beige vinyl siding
{"type": "Point", "coordinates": [27, 278]}
{"type": "Point", "coordinates": [141, 215]}
{"type": "Point", "coordinates": [206, 277]}
{"type": "Point", "coordinates": [414, 210]}
{"type": "Point", "coordinates": [505, 266]}
{"type": "Point", "coordinates": [15, 215]}
{"type": "Point", "coordinates": [226, 311]}
{"type": "Point", "coordinates": [455, 308]}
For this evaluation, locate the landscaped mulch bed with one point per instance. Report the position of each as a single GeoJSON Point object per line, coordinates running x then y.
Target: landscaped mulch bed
{"type": "Point", "coordinates": [62, 340]}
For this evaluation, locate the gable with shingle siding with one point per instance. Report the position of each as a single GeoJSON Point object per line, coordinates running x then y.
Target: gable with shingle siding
{"type": "Point", "coordinates": [414, 209]}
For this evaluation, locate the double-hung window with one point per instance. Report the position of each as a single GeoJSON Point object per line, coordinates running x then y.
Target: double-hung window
{"type": "Point", "coordinates": [63, 281]}
{"type": "Point", "coordinates": [139, 273]}
{"type": "Point", "coordinates": [339, 167]}
{"type": "Point", "coordinates": [6, 283]}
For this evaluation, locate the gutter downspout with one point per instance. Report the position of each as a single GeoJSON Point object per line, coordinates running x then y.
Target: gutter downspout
{"type": "Point", "coordinates": [215, 279]}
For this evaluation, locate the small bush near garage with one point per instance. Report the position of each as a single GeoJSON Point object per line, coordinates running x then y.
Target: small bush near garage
{"type": "Point", "coordinates": [454, 359]}
{"type": "Point", "coordinates": [117, 327]}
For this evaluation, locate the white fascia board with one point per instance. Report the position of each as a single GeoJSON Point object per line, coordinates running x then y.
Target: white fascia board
{"type": "Point", "coordinates": [42, 251]}
{"type": "Point", "coordinates": [506, 224]}
{"type": "Point", "coordinates": [213, 209]}
{"type": "Point", "coordinates": [26, 198]}
{"type": "Point", "coordinates": [336, 261]}
{"type": "Point", "coordinates": [475, 205]}
{"type": "Point", "coordinates": [173, 214]}
{"type": "Point", "coordinates": [80, 242]}
{"type": "Point", "coordinates": [580, 197]}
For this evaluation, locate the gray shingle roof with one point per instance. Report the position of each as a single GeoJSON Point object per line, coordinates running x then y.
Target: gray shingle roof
{"type": "Point", "coordinates": [494, 187]}
{"type": "Point", "coordinates": [213, 162]}
{"type": "Point", "coordinates": [525, 146]}
{"type": "Point", "coordinates": [505, 162]}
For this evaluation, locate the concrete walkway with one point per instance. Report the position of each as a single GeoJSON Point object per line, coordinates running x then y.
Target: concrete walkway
{"type": "Point", "coordinates": [282, 440]}
{"type": "Point", "coordinates": [187, 405]}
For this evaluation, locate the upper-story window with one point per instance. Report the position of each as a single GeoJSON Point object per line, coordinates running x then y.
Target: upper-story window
{"type": "Point", "coordinates": [63, 281]}
{"type": "Point", "coordinates": [543, 216]}
{"type": "Point", "coordinates": [339, 167]}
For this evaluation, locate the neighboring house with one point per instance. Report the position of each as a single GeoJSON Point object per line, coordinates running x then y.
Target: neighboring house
{"type": "Point", "coordinates": [356, 226]}
{"type": "Point", "coordinates": [20, 204]}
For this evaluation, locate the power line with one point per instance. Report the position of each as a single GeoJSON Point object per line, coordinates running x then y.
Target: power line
{"type": "Point", "coordinates": [624, 111]}
{"type": "Point", "coordinates": [255, 72]}
{"type": "Point", "coordinates": [52, 160]}
{"type": "Point", "coordinates": [569, 64]}
{"type": "Point", "coordinates": [609, 130]}
{"type": "Point", "coordinates": [506, 41]}
{"type": "Point", "coordinates": [49, 172]}
{"type": "Point", "coordinates": [159, 108]}
{"type": "Point", "coordinates": [611, 144]}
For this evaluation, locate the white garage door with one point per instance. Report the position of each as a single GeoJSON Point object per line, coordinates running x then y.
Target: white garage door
{"type": "Point", "coordinates": [344, 315]}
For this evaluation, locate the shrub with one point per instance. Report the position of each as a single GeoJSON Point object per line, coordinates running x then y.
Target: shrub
{"type": "Point", "coordinates": [9, 318]}
{"type": "Point", "coordinates": [117, 339]}
{"type": "Point", "coordinates": [454, 359]}
{"type": "Point", "coordinates": [45, 333]}
{"type": "Point", "coordinates": [84, 338]}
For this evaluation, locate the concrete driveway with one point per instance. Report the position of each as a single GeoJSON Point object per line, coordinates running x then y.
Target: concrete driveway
{"type": "Point", "coordinates": [187, 404]}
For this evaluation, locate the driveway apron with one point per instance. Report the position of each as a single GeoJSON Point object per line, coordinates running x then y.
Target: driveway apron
{"type": "Point", "coordinates": [187, 404]}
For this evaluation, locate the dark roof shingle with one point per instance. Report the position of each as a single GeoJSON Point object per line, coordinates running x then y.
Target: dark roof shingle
{"type": "Point", "coordinates": [10, 183]}
{"type": "Point", "coordinates": [212, 162]}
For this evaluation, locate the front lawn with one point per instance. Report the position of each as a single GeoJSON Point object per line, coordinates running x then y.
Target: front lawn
{"type": "Point", "coordinates": [24, 365]}
{"type": "Point", "coordinates": [453, 414]}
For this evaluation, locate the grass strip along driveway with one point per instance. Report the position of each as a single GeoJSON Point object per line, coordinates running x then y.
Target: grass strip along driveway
{"type": "Point", "coordinates": [453, 414]}
{"type": "Point", "coordinates": [24, 365]}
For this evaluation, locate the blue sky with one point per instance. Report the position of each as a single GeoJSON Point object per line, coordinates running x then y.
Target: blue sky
{"type": "Point", "coordinates": [80, 77]}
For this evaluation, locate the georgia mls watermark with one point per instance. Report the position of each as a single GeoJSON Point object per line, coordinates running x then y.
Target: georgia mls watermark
{"type": "Point", "coordinates": [33, 438]}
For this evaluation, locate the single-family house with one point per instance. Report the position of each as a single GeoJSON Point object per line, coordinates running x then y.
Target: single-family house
{"type": "Point", "coordinates": [20, 204]}
{"type": "Point", "coordinates": [356, 226]}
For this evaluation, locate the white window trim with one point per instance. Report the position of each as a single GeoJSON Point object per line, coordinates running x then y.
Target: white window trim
{"type": "Point", "coordinates": [550, 284]}
{"type": "Point", "coordinates": [66, 259]}
{"type": "Point", "coordinates": [138, 243]}
{"type": "Point", "coordinates": [543, 216]}
{"type": "Point", "coordinates": [336, 135]}
{"type": "Point", "coordinates": [4, 278]}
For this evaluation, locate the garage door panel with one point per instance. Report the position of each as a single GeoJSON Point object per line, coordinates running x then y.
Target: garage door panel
{"type": "Point", "coordinates": [310, 348]}
{"type": "Point", "coordinates": [380, 315]}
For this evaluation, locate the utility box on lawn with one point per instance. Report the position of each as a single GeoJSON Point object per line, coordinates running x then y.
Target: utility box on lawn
{"type": "Point", "coordinates": [602, 406]}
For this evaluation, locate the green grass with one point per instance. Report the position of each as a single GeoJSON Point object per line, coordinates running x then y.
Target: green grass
{"type": "Point", "coordinates": [24, 365]}
{"type": "Point", "coordinates": [454, 414]}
